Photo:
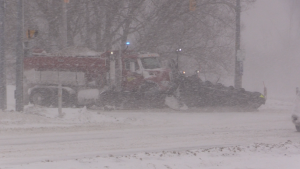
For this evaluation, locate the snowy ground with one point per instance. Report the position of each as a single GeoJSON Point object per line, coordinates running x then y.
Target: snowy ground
{"type": "Point", "coordinates": [149, 139]}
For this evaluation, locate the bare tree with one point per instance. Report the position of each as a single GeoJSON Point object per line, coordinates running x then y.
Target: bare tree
{"type": "Point", "coordinates": [162, 26]}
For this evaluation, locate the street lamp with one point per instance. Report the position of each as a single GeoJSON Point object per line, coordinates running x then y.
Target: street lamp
{"type": "Point", "coordinates": [177, 59]}
{"type": "Point", "coordinates": [127, 45]}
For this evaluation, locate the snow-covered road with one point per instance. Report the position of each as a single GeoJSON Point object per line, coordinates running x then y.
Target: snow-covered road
{"type": "Point", "coordinates": [39, 135]}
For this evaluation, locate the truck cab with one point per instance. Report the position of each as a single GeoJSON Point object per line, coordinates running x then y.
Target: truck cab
{"type": "Point", "coordinates": [140, 71]}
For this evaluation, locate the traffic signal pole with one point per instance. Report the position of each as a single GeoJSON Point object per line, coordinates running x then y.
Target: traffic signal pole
{"type": "Point", "coordinates": [65, 24]}
{"type": "Point", "coordinates": [3, 100]}
{"type": "Point", "coordinates": [238, 63]}
{"type": "Point", "coordinates": [19, 59]}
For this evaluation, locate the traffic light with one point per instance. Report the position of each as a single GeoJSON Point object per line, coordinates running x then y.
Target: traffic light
{"type": "Point", "coordinates": [193, 4]}
{"type": "Point", "coordinates": [31, 34]}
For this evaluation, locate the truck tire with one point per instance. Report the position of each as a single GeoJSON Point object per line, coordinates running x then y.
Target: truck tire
{"type": "Point", "coordinates": [152, 98]}
{"type": "Point", "coordinates": [40, 98]}
{"type": "Point", "coordinates": [107, 100]}
{"type": "Point", "coordinates": [298, 128]}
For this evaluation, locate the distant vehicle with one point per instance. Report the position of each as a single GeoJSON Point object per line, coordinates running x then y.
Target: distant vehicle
{"type": "Point", "coordinates": [296, 111]}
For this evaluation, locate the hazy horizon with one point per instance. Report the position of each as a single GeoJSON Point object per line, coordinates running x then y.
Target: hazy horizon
{"type": "Point", "coordinates": [270, 38]}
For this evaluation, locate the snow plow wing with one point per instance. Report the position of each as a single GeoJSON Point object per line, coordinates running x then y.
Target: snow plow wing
{"type": "Point", "coordinates": [196, 93]}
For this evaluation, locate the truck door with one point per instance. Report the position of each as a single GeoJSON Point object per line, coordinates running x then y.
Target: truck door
{"type": "Point", "coordinates": [132, 77]}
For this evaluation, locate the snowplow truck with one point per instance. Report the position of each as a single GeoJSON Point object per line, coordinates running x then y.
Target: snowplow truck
{"type": "Point", "coordinates": [88, 80]}
{"type": "Point", "coordinates": [197, 93]}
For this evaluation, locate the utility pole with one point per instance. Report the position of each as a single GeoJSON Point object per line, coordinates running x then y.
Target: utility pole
{"type": "Point", "coordinates": [19, 60]}
{"type": "Point", "coordinates": [65, 44]}
{"type": "Point", "coordinates": [3, 101]}
{"type": "Point", "coordinates": [119, 69]}
{"type": "Point", "coordinates": [238, 60]}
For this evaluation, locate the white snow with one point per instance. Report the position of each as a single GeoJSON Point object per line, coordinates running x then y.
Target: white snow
{"type": "Point", "coordinates": [173, 103]}
{"type": "Point", "coordinates": [87, 95]}
{"type": "Point", "coordinates": [77, 51]}
{"type": "Point", "coordinates": [146, 139]}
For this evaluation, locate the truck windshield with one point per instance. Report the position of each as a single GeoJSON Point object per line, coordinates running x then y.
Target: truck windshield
{"type": "Point", "coordinates": [150, 62]}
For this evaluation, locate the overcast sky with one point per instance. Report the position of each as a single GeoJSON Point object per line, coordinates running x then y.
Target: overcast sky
{"type": "Point", "coordinates": [271, 40]}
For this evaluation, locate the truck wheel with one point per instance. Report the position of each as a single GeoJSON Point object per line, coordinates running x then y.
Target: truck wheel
{"type": "Point", "coordinates": [298, 128]}
{"type": "Point", "coordinates": [107, 100]}
{"type": "Point", "coordinates": [40, 98]}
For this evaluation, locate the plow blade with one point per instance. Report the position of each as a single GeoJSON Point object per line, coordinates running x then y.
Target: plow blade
{"type": "Point", "coordinates": [196, 93]}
